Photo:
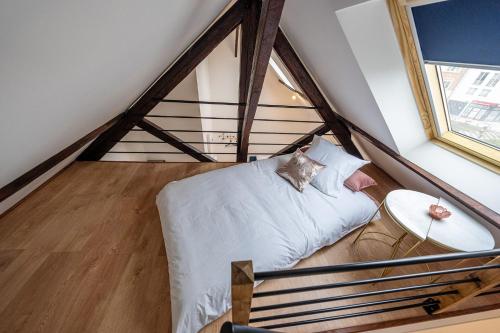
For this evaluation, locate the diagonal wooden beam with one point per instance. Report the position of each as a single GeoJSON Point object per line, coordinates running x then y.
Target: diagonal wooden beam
{"type": "Point", "coordinates": [249, 27]}
{"type": "Point", "coordinates": [266, 33]}
{"type": "Point", "coordinates": [306, 139]}
{"type": "Point", "coordinates": [172, 140]}
{"type": "Point", "coordinates": [168, 80]}
{"type": "Point", "coordinates": [292, 61]}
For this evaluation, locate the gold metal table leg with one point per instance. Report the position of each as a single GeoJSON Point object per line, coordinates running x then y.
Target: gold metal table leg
{"type": "Point", "coordinates": [387, 270]}
{"type": "Point", "coordinates": [395, 248]}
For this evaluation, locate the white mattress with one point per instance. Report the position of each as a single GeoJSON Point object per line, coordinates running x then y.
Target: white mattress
{"type": "Point", "coordinates": [240, 213]}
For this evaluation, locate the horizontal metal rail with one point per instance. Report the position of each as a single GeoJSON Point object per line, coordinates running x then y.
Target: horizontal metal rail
{"type": "Point", "coordinates": [228, 131]}
{"type": "Point", "coordinates": [188, 142]}
{"type": "Point", "coordinates": [237, 118]}
{"type": "Point", "coordinates": [370, 281]}
{"type": "Point", "coordinates": [213, 143]}
{"type": "Point", "coordinates": [351, 306]}
{"type": "Point", "coordinates": [374, 264]}
{"type": "Point", "coordinates": [180, 153]}
{"type": "Point", "coordinates": [351, 315]}
{"type": "Point", "coordinates": [362, 294]}
{"type": "Point", "coordinates": [281, 106]}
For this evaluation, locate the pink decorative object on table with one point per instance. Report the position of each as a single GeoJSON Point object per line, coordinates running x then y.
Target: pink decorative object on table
{"type": "Point", "coordinates": [438, 212]}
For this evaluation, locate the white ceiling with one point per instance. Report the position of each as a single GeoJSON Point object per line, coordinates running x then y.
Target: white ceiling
{"type": "Point", "coordinates": [66, 67]}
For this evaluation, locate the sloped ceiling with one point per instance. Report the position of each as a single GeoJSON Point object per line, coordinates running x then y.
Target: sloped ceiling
{"type": "Point", "coordinates": [315, 32]}
{"type": "Point", "coordinates": [66, 67]}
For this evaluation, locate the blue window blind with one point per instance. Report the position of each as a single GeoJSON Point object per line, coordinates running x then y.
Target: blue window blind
{"type": "Point", "coordinates": [459, 31]}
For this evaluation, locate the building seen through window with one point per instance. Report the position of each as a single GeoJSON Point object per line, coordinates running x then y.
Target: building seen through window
{"type": "Point", "coordinates": [476, 116]}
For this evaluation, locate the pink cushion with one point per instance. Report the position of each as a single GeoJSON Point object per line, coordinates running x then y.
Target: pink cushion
{"type": "Point", "coordinates": [358, 181]}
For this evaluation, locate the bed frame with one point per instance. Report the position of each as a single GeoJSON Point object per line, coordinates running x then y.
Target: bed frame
{"type": "Point", "coordinates": [470, 280]}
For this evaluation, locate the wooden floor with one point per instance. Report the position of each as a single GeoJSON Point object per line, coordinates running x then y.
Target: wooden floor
{"type": "Point", "coordinates": [85, 252]}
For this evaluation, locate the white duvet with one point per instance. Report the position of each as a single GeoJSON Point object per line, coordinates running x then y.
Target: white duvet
{"type": "Point", "coordinates": [240, 213]}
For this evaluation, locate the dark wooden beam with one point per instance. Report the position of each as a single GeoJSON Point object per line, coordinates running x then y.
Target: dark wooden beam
{"type": "Point", "coordinates": [306, 139]}
{"type": "Point", "coordinates": [475, 206]}
{"type": "Point", "coordinates": [174, 141]}
{"type": "Point", "coordinates": [270, 15]}
{"type": "Point", "coordinates": [169, 80]}
{"type": "Point", "coordinates": [45, 166]}
{"type": "Point", "coordinates": [249, 27]}
{"type": "Point", "coordinates": [236, 42]}
{"type": "Point", "coordinates": [291, 60]}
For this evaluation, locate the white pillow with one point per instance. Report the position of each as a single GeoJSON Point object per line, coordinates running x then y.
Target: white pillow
{"type": "Point", "coordinates": [339, 166]}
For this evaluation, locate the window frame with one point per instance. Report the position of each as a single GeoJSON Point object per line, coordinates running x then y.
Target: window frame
{"type": "Point", "coordinates": [427, 90]}
{"type": "Point", "coordinates": [442, 126]}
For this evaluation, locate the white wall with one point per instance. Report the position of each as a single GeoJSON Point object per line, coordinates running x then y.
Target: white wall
{"type": "Point", "coordinates": [67, 67]}
{"type": "Point", "coordinates": [315, 33]}
{"type": "Point", "coordinates": [481, 183]}
{"type": "Point", "coordinates": [370, 33]}
{"type": "Point", "coordinates": [218, 80]}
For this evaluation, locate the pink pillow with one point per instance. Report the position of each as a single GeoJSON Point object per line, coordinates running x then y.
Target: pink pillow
{"type": "Point", "coordinates": [358, 181]}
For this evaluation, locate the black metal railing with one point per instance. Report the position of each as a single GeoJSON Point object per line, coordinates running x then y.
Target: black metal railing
{"type": "Point", "coordinates": [374, 264]}
{"type": "Point", "coordinates": [229, 144]}
{"type": "Point", "coordinates": [430, 300]}
{"type": "Point", "coordinates": [231, 132]}
{"type": "Point", "coordinates": [213, 143]}
{"type": "Point", "coordinates": [236, 118]}
{"type": "Point", "coordinates": [281, 106]}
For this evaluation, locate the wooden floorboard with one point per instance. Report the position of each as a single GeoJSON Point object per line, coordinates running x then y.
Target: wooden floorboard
{"type": "Point", "coordinates": [85, 253]}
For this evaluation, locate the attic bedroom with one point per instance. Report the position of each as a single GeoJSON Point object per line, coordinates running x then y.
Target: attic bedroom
{"type": "Point", "coordinates": [250, 166]}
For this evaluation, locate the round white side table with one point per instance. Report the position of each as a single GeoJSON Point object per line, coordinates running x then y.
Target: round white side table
{"type": "Point", "coordinates": [409, 209]}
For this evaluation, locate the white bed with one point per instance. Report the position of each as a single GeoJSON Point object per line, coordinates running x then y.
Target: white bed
{"type": "Point", "coordinates": [240, 213]}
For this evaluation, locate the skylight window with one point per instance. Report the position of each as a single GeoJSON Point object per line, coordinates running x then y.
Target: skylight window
{"type": "Point", "coordinates": [453, 61]}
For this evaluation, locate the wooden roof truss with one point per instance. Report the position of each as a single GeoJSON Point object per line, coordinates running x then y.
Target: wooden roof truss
{"type": "Point", "coordinates": [260, 33]}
